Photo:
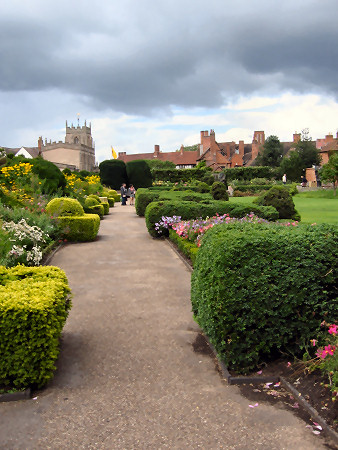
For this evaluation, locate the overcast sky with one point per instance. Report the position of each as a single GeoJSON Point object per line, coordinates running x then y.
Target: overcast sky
{"type": "Point", "coordinates": [147, 72]}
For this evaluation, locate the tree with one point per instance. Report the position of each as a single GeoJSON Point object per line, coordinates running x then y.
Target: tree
{"type": "Point", "coordinates": [52, 178]}
{"type": "Point", "coordinates": [303, 155]}
{"type": "Point", "coordinates": [270, 153]}
{"type": "Point", "coordinates": [113, 173]}
{"type": "Point", "coordinates": [139, 174]}
{"type": "Point", "coordinates": [329, 171]}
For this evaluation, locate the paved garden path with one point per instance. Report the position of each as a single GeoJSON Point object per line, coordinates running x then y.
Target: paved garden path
{"type": "Point", "coordinates": [128, 376]}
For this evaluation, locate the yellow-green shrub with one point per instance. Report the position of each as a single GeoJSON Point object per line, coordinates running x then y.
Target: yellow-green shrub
{"type": "Point", "coordinates": [105, 207]}
{"type": "Point", "coordinates": [34, 305]}
{"type": "Point", "coordinates": [80, 228]}
{"type": "Point", "coordinates": [64, 206]}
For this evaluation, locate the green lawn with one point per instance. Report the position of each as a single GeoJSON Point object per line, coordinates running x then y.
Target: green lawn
{"type": "Point", "coordinates": [312, 209]}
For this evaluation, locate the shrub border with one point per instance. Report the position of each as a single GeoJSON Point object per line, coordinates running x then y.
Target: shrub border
{"type": "Point", "coordinates": [255, 380]}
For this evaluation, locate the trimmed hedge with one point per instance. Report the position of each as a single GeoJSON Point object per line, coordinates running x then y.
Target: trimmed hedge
{"type": "Point", "coordinates": [248, 173]}
{"type": "Point", "coordinates": [113, 173]}
{"type": "Point", "coordinates": [111, 201]}
{"type": "Point", "coordinates": [95, 209]}
{"type": "Point", "coordinates": [193, 210]}
{"type": "Point", "coordinates": [105, 207]}
{"type": "Point", "coordinates": [34, 305]}
{"type": "Point", "coordinates": [187, 196]}
{"type": "Point", "coordinates": [219, 191]}
{"type": "Point", "coordinates": [253, 187]}
{"type": "Point", "coordinates": [80, 228]}
{"type": "Point", "coordinates": [184, 175]}
{"type": "Point", "coordinates": [189, 249]}
{"type": "Point", "coordinates": [142, 199]}
{"type": "Point", "coordinates": [261, 289]}
{"type": "Point", "coordinates": [64, 206]}
{"type": "Point", "coordinates": [138, 173]}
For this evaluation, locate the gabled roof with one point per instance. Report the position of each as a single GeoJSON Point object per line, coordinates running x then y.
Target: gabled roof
{"type": "Point", "coordinates": [331, 146]}
{"type": "Point", "coordinates": [32, 151]}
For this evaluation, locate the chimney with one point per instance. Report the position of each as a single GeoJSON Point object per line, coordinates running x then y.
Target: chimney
{"type": "Point", "coordinates": [156, 151]}
{"type": "Point", "coordinates": [241, 148]}
{"type": "Point", "coordinates": [40, 143]}
{"type": "Point", "coordinates": [328, 138]}
{"type": "Point", "coordinates": [259, 137]}
{"type": "Point", "coordinates": [296, 137]}
{"type": "Point", "coordinates": [182, 149]}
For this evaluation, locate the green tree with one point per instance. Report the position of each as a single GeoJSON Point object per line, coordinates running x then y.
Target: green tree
{"type": "Point", "coordinates": [329, 171]}
{"type": "Point", "coordinates": [270, 154]}
{"type": "Point", "coordinates": [303, 155]}
{"type": "Point", "coordinates": [113, 173]}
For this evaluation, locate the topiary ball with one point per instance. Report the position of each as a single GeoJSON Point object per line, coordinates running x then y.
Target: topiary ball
{"type": "Point", "coordinates": [64, 206]}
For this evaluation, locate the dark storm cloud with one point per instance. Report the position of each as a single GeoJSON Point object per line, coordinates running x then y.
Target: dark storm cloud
{"type": "Point", "coordinates": [141, 56]}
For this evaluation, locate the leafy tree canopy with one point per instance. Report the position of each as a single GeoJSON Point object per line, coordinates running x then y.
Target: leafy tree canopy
{"type": "Point", "coordinates": [329, 171]}
{"type": "Point", "coordinates": [270, 153]}
{"type": "Point", "coordinates": [159, 164]}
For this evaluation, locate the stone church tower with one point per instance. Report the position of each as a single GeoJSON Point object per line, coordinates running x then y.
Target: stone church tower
{"type": "Point", "coordinates": [76, 153]}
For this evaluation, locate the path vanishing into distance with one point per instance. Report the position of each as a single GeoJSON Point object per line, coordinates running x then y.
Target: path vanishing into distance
{"type": "Point", "coordinates": [128, 376]}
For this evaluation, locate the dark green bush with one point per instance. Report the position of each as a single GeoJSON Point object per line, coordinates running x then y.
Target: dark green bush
{"type": "Point", "coordinates": [139, 174]}
{"type": "Point", "coordinates": [219, 191]}
{"type": "Point", "coordinates": [280, 198]}
{"type": "Point", "coordinates": [53, 180]}
{"type": "Point", "coordinates": [80, 228]}
{"type": "Point", "coordinates": [33, 310]}
{"type": "Point", "coordinates": [193, 210]}
{"type": "Point", "coordinates": [261, 289]}
{"type": "Point", "coordinates": [203, 187]}
{"type": "Point", "coordinates": [64, 206]}
{"type": "Point", "coordinates": [142, 199]}
{"type": "Point", "coordinates": [113, 173]}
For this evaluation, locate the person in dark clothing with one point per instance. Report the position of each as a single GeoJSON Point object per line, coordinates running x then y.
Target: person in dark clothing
{"type": "Point", "coordinates": [123, 194]}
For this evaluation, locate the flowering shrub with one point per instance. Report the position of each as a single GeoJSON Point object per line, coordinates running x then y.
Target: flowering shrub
{"type": "Point", "coordinates": [27, 243]}
{"type": "Point", "coordinates": [15, 181]}
{"type": "Point", "coordinates": [327, 357]}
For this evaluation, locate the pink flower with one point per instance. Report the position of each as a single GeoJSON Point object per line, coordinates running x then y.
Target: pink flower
{"type": "Point", "coordinates": [314, 342]}
{"type": "Point", "coordinates": [333, 329]}
{"type": "Point", "coordinates": [289, 364]}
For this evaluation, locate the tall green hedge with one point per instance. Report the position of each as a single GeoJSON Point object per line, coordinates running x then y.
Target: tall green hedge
{"type": "Point", "coordinates": [33, 309]}
{"type": "Point", "coordinates": [139, 174]}
{"type": "Point", "coordinates": [142, 199]}
{"type": "Point", "coordinates": [185, 175]}
{"type": "Point", "coordinates": [261, 289]}
{"type": "Point", "coordinates": [193, 210]}
{"type": "Point", "coordinates": [113, 173]}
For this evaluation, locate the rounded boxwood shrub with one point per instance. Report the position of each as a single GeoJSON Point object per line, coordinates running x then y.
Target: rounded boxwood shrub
{"type": "Point", "coordinates": [105, 207]}
{"type": "Point", "coordinates": [80, 228]}
{"type": "Point", "coordinates": [219, 191]}
{"type": "Point", "coordinates": [111, 201]}
{"type": "Point", "coordinates": [96, 209]}
{"type": "Point", "coordinates": [261, 289]}
{"type": "Point", "coordinates": [90, 201]}
{"type": "Point", "coordinates": [64, 206]}
{"type": "Point", "coordinates": [279, 197]}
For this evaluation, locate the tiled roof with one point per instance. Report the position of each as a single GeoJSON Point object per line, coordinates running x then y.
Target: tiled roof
{"type": "Point", "coordinates": [333, 145]}
{"type": "Point", "coordinates": [178, 158]}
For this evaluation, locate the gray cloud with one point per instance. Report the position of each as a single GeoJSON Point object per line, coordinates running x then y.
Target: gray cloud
{"type": "Point", "coordinates": [139, 57]}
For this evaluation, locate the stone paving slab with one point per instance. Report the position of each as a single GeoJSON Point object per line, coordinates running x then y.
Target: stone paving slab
{"type": "Point", "coordinates": [128, 376]}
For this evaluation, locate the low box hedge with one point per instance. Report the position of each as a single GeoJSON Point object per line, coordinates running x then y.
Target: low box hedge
{"type": "Point", "coordinates": [64, 206]}
{"type": "Point", "coordinates": [189, 249]}
{"type": "Point", "coordinates": [194, 210]}
{"type": "Point", "coordinates": [186, 196]}
{"type": "Point", "coordinates": [80, 228]}
{"type": "Point", "coordinates": [34, 305]}
{"type": "Point", "coordinates": [261, 289]}
{"type": "Point", "coordinates": [142, 199]}
{"type": "Point", "coordinates": [253, 187]}
{"type": "Point", "coordinates": [95, 209]}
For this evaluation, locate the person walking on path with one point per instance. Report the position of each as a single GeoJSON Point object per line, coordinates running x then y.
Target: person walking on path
{"type": "Point", "coordinates": [123, 194]}
{"type": "Point", "coordinates": [131, 193]}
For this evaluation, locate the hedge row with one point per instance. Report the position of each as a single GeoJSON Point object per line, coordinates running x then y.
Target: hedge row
{"type": "Point", "coordinates": [34, 304]}
{"type": "Point", "coordinates": [253, 187]}
{"type": "Point", "coordinates": [262, 289]}
{"type": "Point", "coordinates": [80, 228]}
{"type": "Point", "coordinates": [189, 249]}
{"type": "Point", "coordinates": [248, 173]}
{"type": "Point", "coordinates": [177, 175]}
{"type": "Point", "coordinates": [192, 210]}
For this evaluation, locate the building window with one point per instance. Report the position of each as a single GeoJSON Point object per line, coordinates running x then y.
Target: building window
{"type": "Point", "coordinates": [76, 140]}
